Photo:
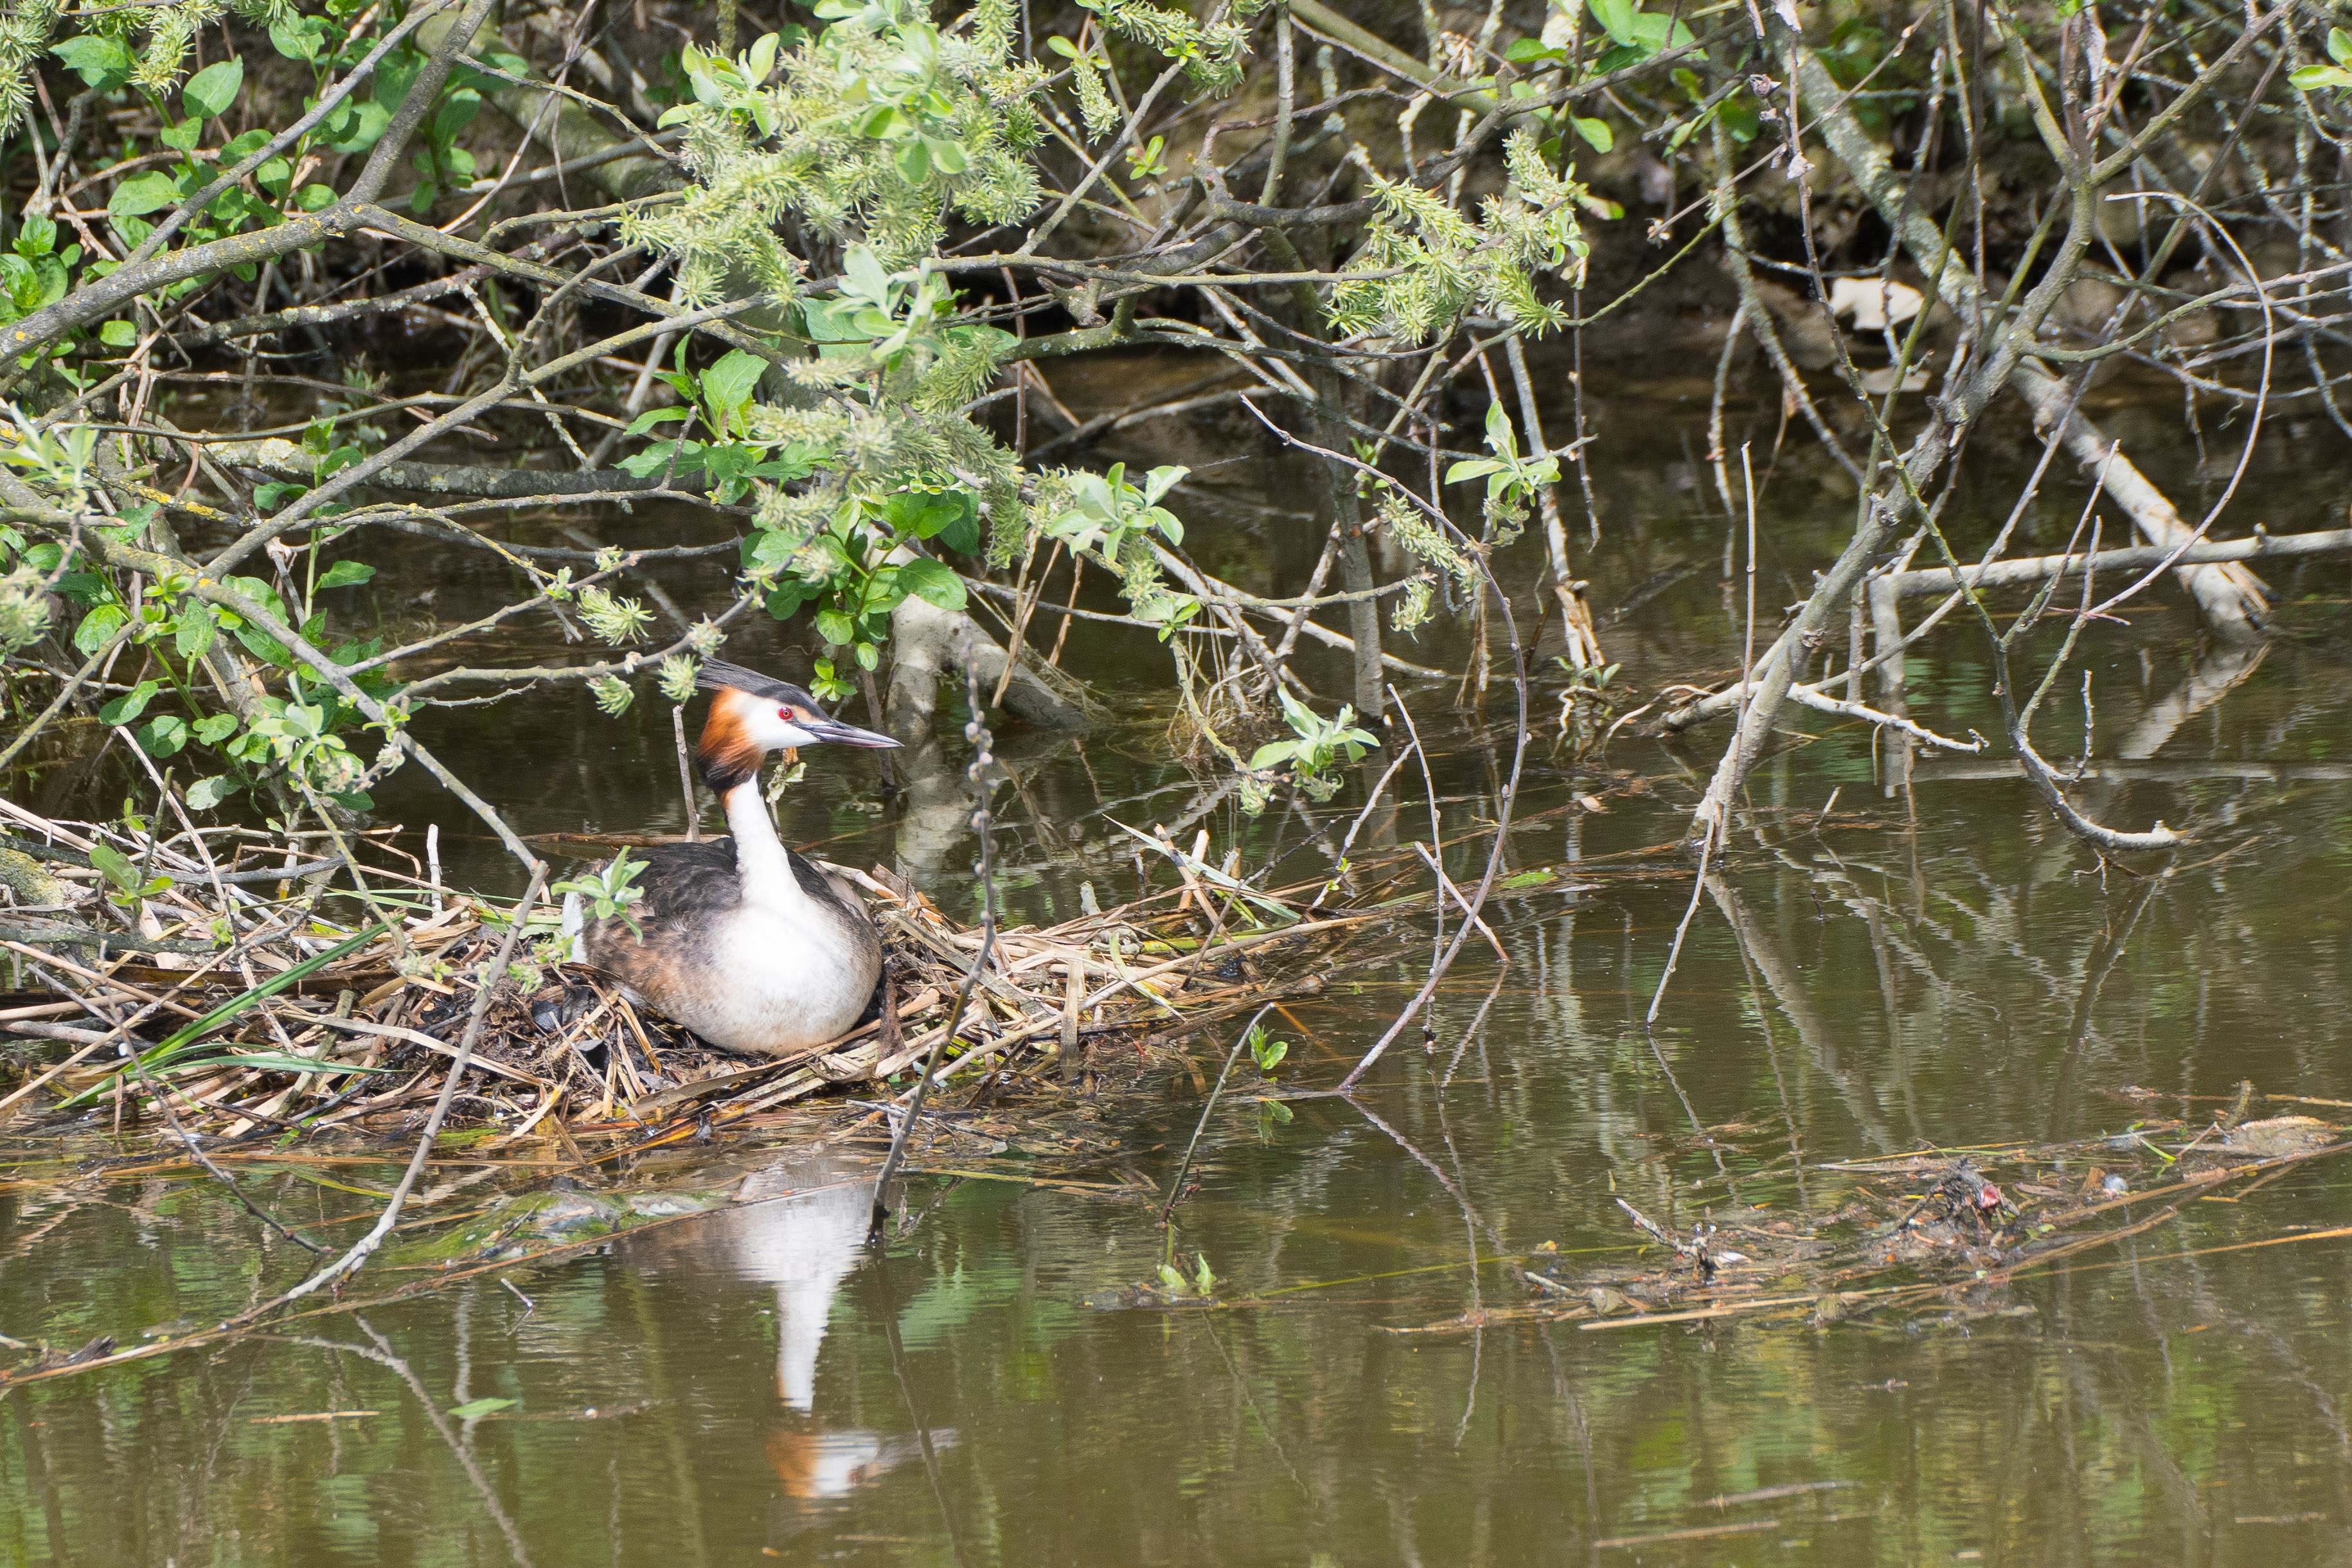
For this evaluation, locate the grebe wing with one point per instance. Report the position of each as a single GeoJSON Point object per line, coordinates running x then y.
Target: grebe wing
{"type": "Point", "coordinates": [827, 888]}
{"type": "Point", "coordinates": [689, 889]}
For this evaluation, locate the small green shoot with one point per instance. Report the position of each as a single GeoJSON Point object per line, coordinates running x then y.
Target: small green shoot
{"type": "Point", "coordinates": [1202, 1286]}
{"type": "Point", "coordinates": [1265, 1050]}
{"type": "Point", "coordinates": [2337, 75]}
{"type": "Point", "coordinates": [1145, 163]}
{"type": "Point", "coordinates": [607, 891]}
{"type": "Point", "coordinates": [1320, 742]}
{"type": "Point", "coordinates": [129, 887]}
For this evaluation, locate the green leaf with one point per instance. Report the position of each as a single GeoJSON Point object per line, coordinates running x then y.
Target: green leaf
{"type": "Point", "coordinates": [96, 58]}
{"type": "Point", "coordinates": [213, 91]}
{"type": "Point", "coordinates": [279, 1062]}
{"type": "Point", "coordinates": [763, 58]}
{"type": "Point", "coordinates": [866, 278]}
{"type": "Point", "coordinates": [963, 535]}
{"type": "Point", "coordinates": [728, 385]}
{"type": "Point", "coordinates": [1616, 17]}
{"type": "Point", "coordinates": [115, 865]}
{"type": "Point", "coordinates": [1501, 439]}
{"type": "Point", "coordinates": [38, 236]}
{"type": "Point", "coordinates": [835, 627]}
{"type": "Point", "coordinates": [118, 334]}
{"type": "Point", "coordinates": [924, 514]}
{"type": "Point", "coordinates": [456, 112]}
{"type": "Point", "coordinates": [1522, 50]}
{"type": "Point", "coordinates": [1596, 133]}
{"type": "Point", "coordinates": [362, 128]}
{"type": "Point", "coordinates": [206, 794]}
{"type": "Point", "coordinates": [130, 704]}
{"type": "Point", "coordinates": [2312, 76]}
{"type": "Point", "coordinates": [297, 37]}
{"type": "Point", "coordinates": [214, 729]}
{"type": "Point", "coordinates": [653, 417]}
{"type": "Point", "coordinates": [2339, 46]}
{"type": "Point", "coordinates": [143, 193]}
{"type": "Point", "coordinates": [193, 632]}
{"type": "Point", "coordinates": [346, 574]}
{"type": "Point", "coordinates": [655, 459]}
{"type": "Point", "coordinates": [932, 582]}
{"type": "Point", "coordinates": [163, 736]}
{"type": "Point", "coordinates": [97, 628]}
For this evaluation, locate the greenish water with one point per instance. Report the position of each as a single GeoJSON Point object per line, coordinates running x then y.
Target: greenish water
{"type": "Point", "coordinates": [1924, 971]}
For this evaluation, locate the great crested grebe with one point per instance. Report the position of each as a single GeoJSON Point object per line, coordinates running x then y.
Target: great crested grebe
{"type": "Point", "coordinates": [746, 942]}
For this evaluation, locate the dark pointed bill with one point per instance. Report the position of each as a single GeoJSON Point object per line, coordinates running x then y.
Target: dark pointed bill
{"type": "Point", "coordinates": [834, 732]}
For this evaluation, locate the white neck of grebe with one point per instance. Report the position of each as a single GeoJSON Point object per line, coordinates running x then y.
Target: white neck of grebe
{"type": "Point", "coordinates": [761, 863]}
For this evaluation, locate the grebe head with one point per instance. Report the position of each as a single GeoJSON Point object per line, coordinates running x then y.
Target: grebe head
{"type": "Point", "coordinates": [752, 715]}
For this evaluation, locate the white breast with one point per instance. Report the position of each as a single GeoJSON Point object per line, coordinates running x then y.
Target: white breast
{"type": "Point", "coordinates": [786, 979]}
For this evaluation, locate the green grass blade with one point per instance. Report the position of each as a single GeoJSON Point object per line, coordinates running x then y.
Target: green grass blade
{"type": "Point", "coordinates": [160, 1055]}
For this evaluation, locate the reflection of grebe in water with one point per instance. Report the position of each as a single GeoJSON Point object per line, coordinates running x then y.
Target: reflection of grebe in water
{"type": "Point", "coordinates": [803, 1246]}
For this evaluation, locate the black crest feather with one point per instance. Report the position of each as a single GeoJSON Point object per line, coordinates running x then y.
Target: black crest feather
{"type": "Point", "coordinates": [718, 676]}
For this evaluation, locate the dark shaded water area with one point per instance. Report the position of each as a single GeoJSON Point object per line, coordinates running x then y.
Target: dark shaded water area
{"type": "Point", "coordinates": [1873, 971]}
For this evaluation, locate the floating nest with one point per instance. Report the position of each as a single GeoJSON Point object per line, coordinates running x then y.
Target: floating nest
{"type": "Point", "coordinates": [308, 1022]}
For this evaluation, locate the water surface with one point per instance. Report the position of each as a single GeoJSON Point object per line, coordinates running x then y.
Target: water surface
{"type": "Point", "coordinates": [1875, 972]}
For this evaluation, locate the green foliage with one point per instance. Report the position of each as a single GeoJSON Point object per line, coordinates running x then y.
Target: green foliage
{"type": "Point", "coordinates": [871, 130]}
{"type": "Point", "coordinates": [617, 621]}
{"type": "Point", "coordinates": [1448, 264]}
{"type": "Point", "coordinates": [1512, 481]}
{"type": "Point", "coordinates": [332, 442]}
{"type": "Point", "coordinates": [1316, 745]}
{"type": "Point", "coordinates": [1405, 522]}
{"type": "Point", "coordinates": [1265, 1050]}
{"type": "Point", "coordinates": [1857, 51]}
{"type": "Point", "coordinates": [678, 674]}
{"type": "Point", "coordinates": [1147, 162]}
{"type": "Point", "coordinates": [34, 272]}
{"type": "Point", "coordinates": [607, 890]}
{"type": "Point", "coordinates": [1635, 34]}
{"type": "Point", "coordinates": [109, 59]}
{"type": "Point", "coordinates": [721, 397]}
{"type": "Point", "coordinates": [1211, 51]}
{"type": "Point", "coordinates": [2338, 77]}
{"type": "Point", "coordinates": [1095, 105]}
{"type": "Point", "coordinates": [860, 568]}
{"type": "Point", "coordinates": [1201, 1285]}
{"type": "Point", "coordinates": [612, 695]}
{"type": "Point", "coordinates": [25, 617]}
{"type": "Point", "coordinates": [1105, 517]}
{"type": "Point", "coordinates": [300, 735]}
{"type": "Point", "coordinates": [126, 887]}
